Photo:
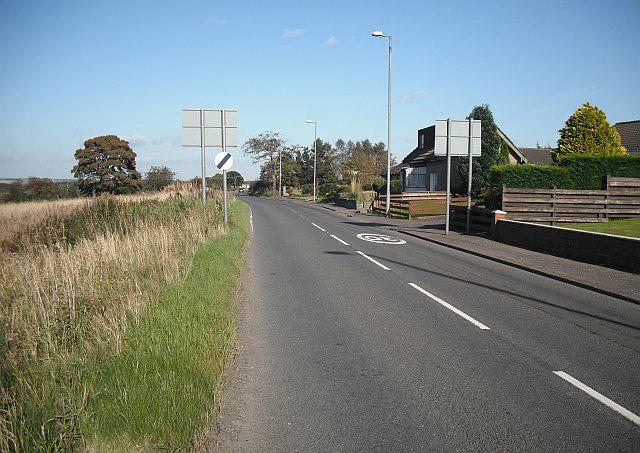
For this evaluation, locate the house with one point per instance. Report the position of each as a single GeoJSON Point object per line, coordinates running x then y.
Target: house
{"type": "Point", "coordinates": [423, 171]}
{"type": "Point", "coordinates": [629, 135]}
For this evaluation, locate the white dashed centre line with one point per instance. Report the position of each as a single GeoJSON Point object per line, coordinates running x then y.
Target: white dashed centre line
{"type": "Point", "coordinates": [451, 307]}
{"type": "Point", "coordinates": [318, 227]}
{"type": "Point", "coordinates": [374, 261]}
{"type": "Point", "coordinates": [338, 239]}
{"type": "Point", "coordinates": [600, 397]}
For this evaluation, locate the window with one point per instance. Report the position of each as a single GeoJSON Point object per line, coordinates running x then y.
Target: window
{"type": "Point", "coordinates": [422, 141]}
{"type": "Point", "coordinates": [416, 180]}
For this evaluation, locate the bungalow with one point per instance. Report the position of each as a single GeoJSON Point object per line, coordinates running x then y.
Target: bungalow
{"type": "Point", "coordinates": [423, 171]}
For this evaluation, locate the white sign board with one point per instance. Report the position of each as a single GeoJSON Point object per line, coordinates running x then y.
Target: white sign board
{"type": "Point", "coordinates": [215, 122]}
{"type": "Point", "coordinates": [460, 134]}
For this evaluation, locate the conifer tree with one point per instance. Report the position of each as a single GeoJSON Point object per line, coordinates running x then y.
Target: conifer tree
{"type": "Point", "coordinates": [588, 132]}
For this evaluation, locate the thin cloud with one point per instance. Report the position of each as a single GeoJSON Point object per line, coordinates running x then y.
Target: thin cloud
{"type": "Point", "coordinates": [330, 42]}
{"type": "Point", "coordinates": [293, 33]}
{"type": "Point", "coordinates": [135, 140]}
{"type": "Point", "coordinates": [215, 21]}
{"type": "Point", "coordinates": [413, 96]}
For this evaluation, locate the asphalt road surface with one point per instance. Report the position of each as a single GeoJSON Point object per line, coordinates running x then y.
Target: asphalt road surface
{"type": "Point", "coordinates": [354, 338]}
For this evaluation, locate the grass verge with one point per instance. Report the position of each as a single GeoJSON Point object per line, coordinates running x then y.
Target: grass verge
{"type": "Point", "coordinates": [161, 391]}
{"type": "Point", "coordinates": [620, 227]}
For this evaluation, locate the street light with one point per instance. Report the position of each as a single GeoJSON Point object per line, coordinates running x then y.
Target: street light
{"type": "Point", "coordinates": [379, 34]}
{"type": "Point", "coordinates": [315, 139]}
{"type": "Point", "coordinates": [277, 138]}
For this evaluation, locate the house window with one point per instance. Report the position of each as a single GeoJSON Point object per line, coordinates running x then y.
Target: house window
{"type": "Point", "coordinates": [414, 180]}
{"type": "Point", "coordinates": [422, 141]}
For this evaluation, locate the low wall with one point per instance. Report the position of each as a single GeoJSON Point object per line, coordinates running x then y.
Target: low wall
{"type": "Point", "coordinates": [596, 248]}
{"type": "Point", "coordinates": [350, 203]}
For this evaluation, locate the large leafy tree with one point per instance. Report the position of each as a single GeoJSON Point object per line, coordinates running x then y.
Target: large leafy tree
{"type": "Point", "coordinates": [490, 156]}
{"type": "Point", "coordinates": [265, 148]}
{"type": "Point", "coordinates": [588, 132]}
{"type": "Point", "coordinates": [362, 160]}
{"type": "Point", "coordinates": [106, 164]}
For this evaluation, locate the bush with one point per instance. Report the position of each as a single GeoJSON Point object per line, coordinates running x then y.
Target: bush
{"type": "Point", "coordinates": [260, 188]}
{"type": "Point", "coordinates": [590, 172]}
{"type": "Point", "coordinates": [572, 172]}
{"type": "Point", "coordinates": [332, 189]}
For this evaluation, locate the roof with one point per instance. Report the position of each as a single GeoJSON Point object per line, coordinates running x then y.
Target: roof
{"type": "Point", "coordinates": [513, 149]}
{"type": "Point", "coordinates": [629, 134]}
{"type": "Point", "coordinates": [537, 155]}
{"type": "Point", "coordinates": [421, 155]}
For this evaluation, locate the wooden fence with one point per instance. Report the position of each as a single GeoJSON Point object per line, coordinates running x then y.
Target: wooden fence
{"type": "Point", "coordinates": [415, 204]}
{"type": "Point", "coordinates": [550, 206]}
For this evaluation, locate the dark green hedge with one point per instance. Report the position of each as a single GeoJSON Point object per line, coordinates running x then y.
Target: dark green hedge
{"type": "Point", "coordinates": [573, 172]}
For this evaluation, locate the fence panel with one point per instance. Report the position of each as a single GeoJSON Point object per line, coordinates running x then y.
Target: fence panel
{"type": "Point", "coordinates": [551, 206]}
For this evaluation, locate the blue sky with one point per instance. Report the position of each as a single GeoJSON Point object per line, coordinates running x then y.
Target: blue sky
{"type": "Point", "coordinates": [72, 70]}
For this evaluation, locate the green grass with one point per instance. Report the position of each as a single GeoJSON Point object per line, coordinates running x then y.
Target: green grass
{"type": "Point", "coordinates": [621, 227]}
{"type": "Point", "coordinates": [163, 387]}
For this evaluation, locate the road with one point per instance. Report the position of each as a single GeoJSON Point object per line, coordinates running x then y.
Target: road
{"type": "Point", "coordinates": [350, 344]}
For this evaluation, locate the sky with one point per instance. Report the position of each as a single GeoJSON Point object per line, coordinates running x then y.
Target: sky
{"type": "Point", "coordinates": [76, 69]}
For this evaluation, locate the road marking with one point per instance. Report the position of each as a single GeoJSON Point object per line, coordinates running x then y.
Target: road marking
{"type": "Point", "coordinates": [451, 307]}
{"type": "Point", "coordinates": [374, 261]}
{"type": "Point", "coordinates": [318, 227]}
{"type": "Point", "coordinates": [338, 239]}
{"type": "Point", "coordinates": [380, 238]}
{"type": "Point", "coordinates": [600, 397]}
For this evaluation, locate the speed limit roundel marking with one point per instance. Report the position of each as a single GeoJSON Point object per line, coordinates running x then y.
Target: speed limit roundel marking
{"type": "Point", "coordinates": [380, 238]}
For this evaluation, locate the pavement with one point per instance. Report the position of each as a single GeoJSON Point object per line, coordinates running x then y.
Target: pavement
{"type": "Point", "coordinates": [604, 280]}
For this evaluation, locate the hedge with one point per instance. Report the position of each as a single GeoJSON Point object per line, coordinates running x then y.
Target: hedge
{"type": "Point", "coordinates": [572, 172]}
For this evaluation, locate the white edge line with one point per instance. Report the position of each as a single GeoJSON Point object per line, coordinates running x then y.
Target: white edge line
{"type": "Point", "coordinates": [600, 397]}
{"type": "Point", "coordinates": [318, 227]}
{"type": "Point", "coordinates": [338, 239]}
{"type": "Point", "coordinates": [451, 307]}
{"type": "Point", "coordinates": [374, 261]}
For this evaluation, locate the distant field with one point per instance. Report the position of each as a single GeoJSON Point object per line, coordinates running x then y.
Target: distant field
{"type": "Point", "coordinates": [622, 227]}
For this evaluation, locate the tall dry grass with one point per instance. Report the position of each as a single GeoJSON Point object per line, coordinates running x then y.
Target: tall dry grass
{"type": "Point", "coordinates": [62, 302]}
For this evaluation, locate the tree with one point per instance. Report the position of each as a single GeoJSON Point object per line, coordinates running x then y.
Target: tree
{"type": "Point", "coordinates": [265, 147]}
{"type": "Point", "coordinates": [41, 189]}
{"type": "Point", "coordinates": [361, 160]}
{"type": "Point", "coordinates": [16, 193]}
{"type": "Point", "coordinates": [234, 179]}
{"type": "Point", "coordinates": [490, 156]}
{"type": "Point", "coordinates": [106, 164]}
{"type": "Point", "coordinates": [588, 132]}
{"type": "Point", "coordinates": [325, 163]}
{"type": "Point", "coordinates": [157, 178]}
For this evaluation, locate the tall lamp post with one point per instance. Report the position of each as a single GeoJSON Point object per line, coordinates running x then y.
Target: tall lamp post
{"type": "Point", "coordinates": [379, 34]}
{"type": "Point", "coordinates": [315, 154]}
{"type": "Point", "coordinates": [279, 147]}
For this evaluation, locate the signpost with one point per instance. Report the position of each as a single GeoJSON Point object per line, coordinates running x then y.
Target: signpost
{"type": "Point", "coordinates": [209, 128]}
{"type": "Point", "coordinates": [458, 138]}
{"type": "Point", "coordinates": [224, 161]}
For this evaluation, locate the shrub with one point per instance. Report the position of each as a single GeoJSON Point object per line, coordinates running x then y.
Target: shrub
{"type": "Point", "coordinates": [573, 172]}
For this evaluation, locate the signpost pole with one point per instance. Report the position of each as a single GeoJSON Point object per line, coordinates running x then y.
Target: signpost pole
{"type": "Point", "coordinates": [202, 158]}
{"type": "Point", "coordinates": [224, 172]}
{"type": "Point", "coordinates": [224, 184]}
{"type": "Point", "coordinates": [446, 216]}
{"type": "Point", "coordinates": [470, 174]}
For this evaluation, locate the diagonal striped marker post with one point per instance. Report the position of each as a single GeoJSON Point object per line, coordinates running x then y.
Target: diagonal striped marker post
{"type": "Point", "coordinates": [224, 161]}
